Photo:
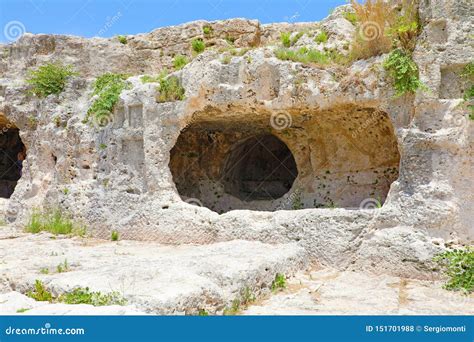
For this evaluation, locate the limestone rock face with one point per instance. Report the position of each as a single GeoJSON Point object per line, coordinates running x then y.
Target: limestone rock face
{"type": "Point", "coordinates": [164, 171]}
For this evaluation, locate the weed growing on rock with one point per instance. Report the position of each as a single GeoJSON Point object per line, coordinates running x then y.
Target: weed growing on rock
{"type": "Point", "coordinates": [321, 37]}
{"type": "Point", "coordinates": [351, 17]}
{"type": "Point", "coordinates": [285, 38]}
{"type": "Point", "coordinates": [403, 71]}
{"type": "Point", "coordinates": [406, 27]}
{"type": "Point", "coordinates": [179, 61]}
{"type": "Point", "coordinates": [279, 283]}
{"type": "Point", "coordinates": [108, 88]}
{"type": "Point", "coordinates": [85, 296]}
{"type": "Point", "coordinates": [62, 267]}
{"type": "Point", "coordinates": [170, 89]}
{"type": "Point", "coordinates": [40, 293]}
{"type": "Point", "coordinates": [296, 37]}
{"type": "Point", "coordinates": [242, 302]}
{"type": "Point", "coordinates": [198, 45]}
{"type": "Point", "coordinates": [458, 266]}
{"type": "Point", "coordinates": [203, 312]}
{"type": "Point", "coordinates": [49, 79]}
{"type": "Point", "coordinates": [21, 310]}
{"type": "Point", "coordinates": [44, 270]}
{"type": "Point", "coordinates": [114, 236]}
{"type": "Point", "coordinates": [304, 55]}
{"type": "Point", "coordinates": [54, 221]}
{"type": "Point", "coordinates": [226, 59]}
{"type": "Point", "coordinates": [207, 30]}
{"type": "Point", "coordinates": [122, 39]}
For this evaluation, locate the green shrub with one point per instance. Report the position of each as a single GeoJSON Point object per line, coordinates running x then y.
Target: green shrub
{"type": "Point", "coordinates": [207, 30]}
{"type": "Point", "coordinates": [21, 310]}
{"type": "Point", "coordinates": [198, 45]}
{"type": "Point", "coordinates": [279, 283]}
{"type": "Point", "coordinates": [285, 39]}
{"type": "Point", "coordinates": [122, 39]}
{"type": "Point", "coordinates": [304, 55]}
{"type": "Point", "coordinates": [54, 221]}
{"type": "Point", "coordinates": [108, 87]}
{"type": "Point", "coordinates": [179, 61]}
{"type": "Point", "coordinates": [403, 71]}
{"type": "Point", "coordinates": [40, 293]}
{"type": "Point", "coordinates": [351, 17]}
{"type": "Point", "coordinates": [85, 296]}
{"type": "Point", "coordinates": [458, 266]}
{"type": "Point", "coordinates": [49, 79]}
{"type": "Point", "coordinates": [322, 37]}
{"type": "Point", "coordinates": [114, 236]}
{"type": "Point", "coordinates": [203, 312]}
{"type": "Point", "coordinates": [170, 89]}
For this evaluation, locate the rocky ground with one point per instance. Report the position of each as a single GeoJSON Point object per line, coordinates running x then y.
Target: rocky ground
{"type": "Point", "coordinates": [158, 279]}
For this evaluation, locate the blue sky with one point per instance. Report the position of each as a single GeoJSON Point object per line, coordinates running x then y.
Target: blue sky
{"type": "Point", "coordinates": [108, 18]}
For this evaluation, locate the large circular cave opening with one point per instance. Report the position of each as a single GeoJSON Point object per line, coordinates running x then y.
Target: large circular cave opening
{"type": "Point", "coordinates": [229, 159]}
{"type": "Point", "coordinates": [259, 168]}
{"type": "Point", "coordinates": [12, 155]}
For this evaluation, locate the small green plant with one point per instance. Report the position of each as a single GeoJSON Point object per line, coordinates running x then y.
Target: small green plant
{"type": "Point", "coordinates": [65, 191]}
{"type": "Point", "coordinates": [246, 297]}
{"type": "Point", "coordinates": [202, 312]}
{"type": "Point", "coordinates": [233, 309]}
{"type": "Point", "coordinates": [62, 267]}
{"type": "Point", "coordinates": [54, 221]}
{"type": "Point", "coordinates": [351, 17]}
{"type": "Point", "coordinates": [207, 30]}
{"type": "Point", "coordinates": [102, 146]}
{"type": "Point", "coordinates": [230, 40]}
{"type": "Point", "coordinates": [44, 270]}
{"type": "Point", "coordinates": [198, 45]}
{"type": "Point", "coordinates": [285, 38]}
{"type": "Point", "coordinates": [21, 310]}
{"type": "Point", "coordinates": [406, 26]}
{"type": "Point", "coordinates": [49, 79]}
{"type": "Point", "coordinates": [114, 236]}
{"type": "Point", "coordinates": [226, 59]}
{"type": "Point", "coordinates": [306, 56]}
{"type": "Point", "coordinates": [322, 37]}
{"type": "Point", "coordinates": [279, 283]}
{"type": "Point", "coordinates": [170, 89]}
{"type": "Point", "coordinates": [458, 265]}
{"type": "Point", "coordinates": [122, 39]}
{"type": "Point", "coordinates": [57, 121]}
{"type": "Point", "coordinates": [297, 203]}
{"type": "Point", "coordinates": [179, 61]}
{"type": "Point", "coordinates": [108, 88]}
{"type": "Point", "coordinates": [85, 296]}
{"type": "Point", "coordinates": [403, 71]}
{"type": "Point", "coordinates": [40, 293]}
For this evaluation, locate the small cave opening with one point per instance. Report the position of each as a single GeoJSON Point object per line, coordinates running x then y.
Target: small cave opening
{"type": "Point", "coordinates": [259, 168]}
{"type": "Point", "coordinates": [12, 155]}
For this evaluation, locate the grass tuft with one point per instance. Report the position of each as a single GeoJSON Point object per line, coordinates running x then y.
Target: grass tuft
{"type": "Point", "coordinates": [279, 283]}
{"type": "Point", "coordinates": [179, 61]}
{"type": "Point", "coordinates": [198, 45]}
{"type": "Point", "coordinates": [170, 89]}
{"type": "Point", "coordinates": [54, 221]}
{"type": "Point", "coordinates": [321, 37]}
